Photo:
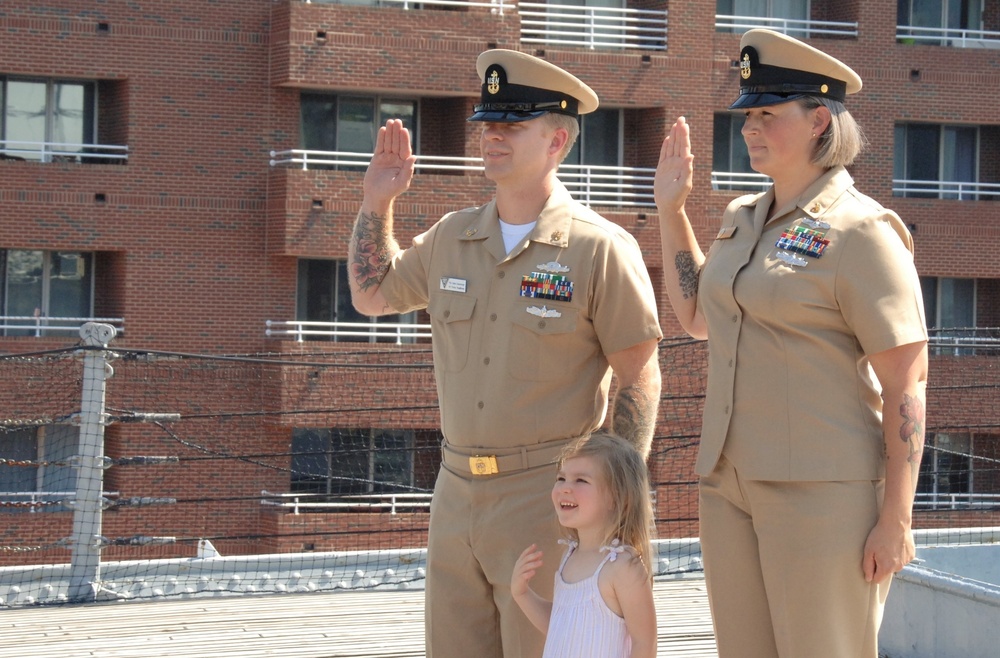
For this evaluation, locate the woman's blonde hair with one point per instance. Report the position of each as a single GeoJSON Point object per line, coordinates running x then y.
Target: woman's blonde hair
{"type": "Point", "coordinates": [842, 140]}
{"type": "Point", "coordinates": [627, 478]}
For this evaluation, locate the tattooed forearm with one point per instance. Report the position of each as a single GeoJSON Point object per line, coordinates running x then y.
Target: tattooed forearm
{"type": "Point", "coordinates": [687, 273]}
{"type": "Point", "coordinates": [634, 417]}
{"type": "Point", "coordinates": [370, 250]}
{"type": "Point", "coordinates": [911, 431]}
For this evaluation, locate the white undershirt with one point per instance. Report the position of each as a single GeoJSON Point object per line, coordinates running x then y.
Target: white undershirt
{"type": "Point", "coordinates": [514, 233]}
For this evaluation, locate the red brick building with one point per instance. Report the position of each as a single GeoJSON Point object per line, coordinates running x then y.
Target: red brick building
{"type": "Point", "coordinates": [190, 172]}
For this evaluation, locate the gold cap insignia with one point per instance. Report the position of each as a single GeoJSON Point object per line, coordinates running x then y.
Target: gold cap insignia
{"type": "Point", "coordinates": [745, 67]}
{"type": "Point", "coordinates": [493, 82]}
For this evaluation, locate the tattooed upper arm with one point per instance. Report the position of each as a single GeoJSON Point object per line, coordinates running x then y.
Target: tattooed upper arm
{"type": "Point", "coordinates": [688, 273]}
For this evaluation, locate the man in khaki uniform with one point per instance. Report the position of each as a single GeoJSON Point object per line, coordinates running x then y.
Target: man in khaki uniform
{"type": "Point", "coordinates": [534, 300]}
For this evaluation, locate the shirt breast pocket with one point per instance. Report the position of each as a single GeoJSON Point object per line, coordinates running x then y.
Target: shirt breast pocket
{"type": "Point", "coordinates": [541, 348]}
{"type": "Point", "coordinates": [451, 324]}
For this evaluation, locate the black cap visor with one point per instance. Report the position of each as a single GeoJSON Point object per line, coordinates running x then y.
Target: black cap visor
{"type": "Point", "coordinates": [748, 100]}
{"type": "Point", "coordinates": [503, 116]}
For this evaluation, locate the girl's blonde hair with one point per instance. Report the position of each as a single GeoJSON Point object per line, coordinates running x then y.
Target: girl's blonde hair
{"type": "Point", "coordinates": [627, 479]}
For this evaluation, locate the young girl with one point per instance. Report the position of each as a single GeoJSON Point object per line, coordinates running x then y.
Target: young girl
{"type": "Point", "coordinates": [603, 601]}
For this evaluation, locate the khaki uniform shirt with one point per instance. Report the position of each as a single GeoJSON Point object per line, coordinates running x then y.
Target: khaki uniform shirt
{"type": "Point", "coordinates": [791, 395]}
{"type": "Point", "coordinates": [514, 370]}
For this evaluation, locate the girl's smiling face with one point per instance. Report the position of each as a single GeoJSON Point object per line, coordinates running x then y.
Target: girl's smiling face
{"type": "Point", "coordinates": [581, 496]}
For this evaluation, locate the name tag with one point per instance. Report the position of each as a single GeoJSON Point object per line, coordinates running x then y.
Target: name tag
{"type": "Point", "coordinates": [453, 284]}
{"type": "Point", "coordinates": [726, 232]}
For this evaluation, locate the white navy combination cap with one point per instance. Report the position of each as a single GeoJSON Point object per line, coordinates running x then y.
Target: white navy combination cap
{"type": "Point", "coordinates": [519, 87]}
{"type": "Point", "coordinates": [775, 68]}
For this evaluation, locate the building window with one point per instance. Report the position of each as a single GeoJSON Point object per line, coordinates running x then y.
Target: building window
{"type": "Point", "coordinates": [779, 11]}
{"type": "Point", "coordinates": [935, 161]}
{"type": "Point", "coordinates": [949, 478]}
{"type": "Point", "coordinates": [39, 287]}
{"type": "Point", "coordinates": [731, 168]}
{"type": "Point", "coordinates": [352, 461]}
{"type": "Point", "coordinates": [47, 120]}
{"type": "Point", "coordinates": [950, 308]}
{"type": "Point", "coordinates": [43, 476]}
{"type": "Point", "coordinates": [349, 124]}
{"type": "Point", "coordinates": [938, 22]}
{"type": "Point", "coordinates": [324, 296]}
{"type": "Point", "coordinates": [600, 140]}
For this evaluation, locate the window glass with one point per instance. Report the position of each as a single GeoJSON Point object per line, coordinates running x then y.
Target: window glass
{"type": "Point", "coordinates": [25, 277]}
{"type": "Point", "coordinates": [46, 284]}
{"type": "Point", "coordinates": [24, 116]}
{"type": "Point", "coordinates": [69, 118]}
{"type": "Point", "coordinates": [69, 284]}
{"type": "Point", "coordinates": [946, 467]}
{"type": "Point", "coordinates": [959, 159]}
{"type": "Point", "coordinates": [324, 295]}
{"type": "Point", "coordinates": [599, 141]}
{"type": "Point", "coordinates": [318, 115]}
{"type": "Point", "coordinates": [957, 303]}
{"type": "Point", "coordinates": [18, 445]}
{"type": "Point", "coordinates": [356, 124]}
{"type": "Point", "coordinates": [928, 287]}
{"type": "Point", "coordinates": [59, 444]}
{"type": "Point", "coordinates": [351, 461]}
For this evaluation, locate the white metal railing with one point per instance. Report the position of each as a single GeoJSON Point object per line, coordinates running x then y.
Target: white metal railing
{"type": "Point", "coordinates": [940, 36]}
{"type": "Point", "coordinates": [962, 341]}
{"type": "Point", "coordinates": [593, 185]}
{"type": "Point", "coordinates": [593, 27]}
{"type": "Point", "coordinates": [790, 26]}
{"type": "Point", "coordinates": [393, 502]}
{"type": "Point", "coordinates": [301, 330]}
{"type": "Point", "coordinates": [961, 190]}
{"type": "Point", "coordinates": [40, 325]}
{"type": "Point", "coordinates": [496, 6]}
{"type": "Point", "coordinates": [740, 181]}
{"type": "Point", "coordinates": [12, 149]}
{"type": "Point", "coordinates": [955, 501]}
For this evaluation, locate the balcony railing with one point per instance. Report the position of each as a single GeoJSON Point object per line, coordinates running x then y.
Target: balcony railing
{"type": "Point", "coordinates": [391, 502]}
{"type": "Point", "coordinates": [591, 185]}
{"type": "Point", "coordinates": [593, 27]}
{"type": "Point", "coordinates": [740, 182]}
{"type": "Point", "coordinates": [962, 341]}
{"type": "Point", "coordinates": [802, 29]}
{"type": "Point", "coordinates": [960, 190]}
{"type": "Point", "coordinates": [955, 501]}
{"type": "Point", "coordinates": [496, 6]}
{"type": "Point", "coordinates": [939, 36]}
{"type": "Point", "coordinates": [381, 332]}
{"type": "Point", "coordinates": [45, 325]}
{"type": "Point", "coordinates": [11, 149]}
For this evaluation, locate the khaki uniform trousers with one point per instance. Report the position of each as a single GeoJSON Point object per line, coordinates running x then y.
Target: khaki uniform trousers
{"type": "Point", "coordinates": [479, 525]}
{"type": "Point", "coordinates": [783, 566]}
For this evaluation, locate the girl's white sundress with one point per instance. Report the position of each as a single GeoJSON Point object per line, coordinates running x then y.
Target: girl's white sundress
{"type": "Point", "coordinates": [582, 625]}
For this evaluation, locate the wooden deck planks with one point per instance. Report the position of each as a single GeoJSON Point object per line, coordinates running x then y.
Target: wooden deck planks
{"type": "Point", "coordinates": [360, 624]}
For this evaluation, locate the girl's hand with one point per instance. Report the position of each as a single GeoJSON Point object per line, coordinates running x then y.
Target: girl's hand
{"type": "Point", "coordinates": [525, 568]}
{"type": "Point", "coordinates": [675, 171]}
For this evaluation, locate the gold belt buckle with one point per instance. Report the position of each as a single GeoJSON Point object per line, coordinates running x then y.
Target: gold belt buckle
{"type": "Point", "coordinates": [483, 465]}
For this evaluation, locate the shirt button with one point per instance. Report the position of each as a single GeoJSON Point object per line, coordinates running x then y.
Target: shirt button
{"type": "Point", "coordinates": [447, 313]}
{"type": "Point", "coordinates": [541, 325]}
{"type": "Point", "coordinates": [725, 411]}
{"type": "Point", "coordinates": [480, 405]}
{"type": "Point", "coordinates": [730, 363]}
{"type": "Point", "coordinates": [736, 318]}
{"type": "Point", "coordinates": [486, 361]}
{"type": "Point", "coordinates": [502, 274]}
{"type": "Point", "coordinates": [493, 317]}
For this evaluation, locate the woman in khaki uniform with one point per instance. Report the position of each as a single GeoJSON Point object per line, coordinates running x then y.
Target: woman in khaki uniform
{"type": "Point", "coordinates": [813, 424]}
